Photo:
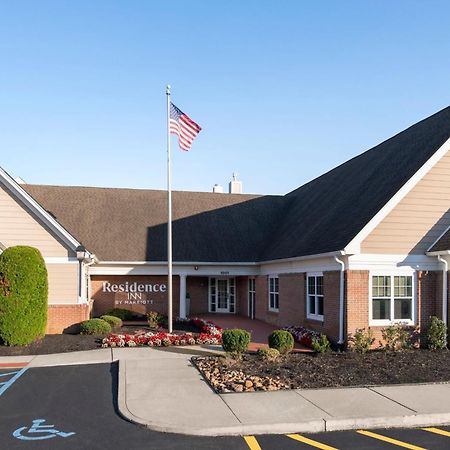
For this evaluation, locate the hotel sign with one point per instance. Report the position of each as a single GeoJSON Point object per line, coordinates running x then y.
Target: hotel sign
{"type": "Point", "coordinates": [133, 293]}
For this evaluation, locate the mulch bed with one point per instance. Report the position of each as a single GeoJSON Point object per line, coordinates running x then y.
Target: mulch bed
{"type": "Point", "coordinates": [305, 371]}
{"type": "Point", "coordinates": [54, 343]}
{"type": "Point", "coordinates": [62, 343]}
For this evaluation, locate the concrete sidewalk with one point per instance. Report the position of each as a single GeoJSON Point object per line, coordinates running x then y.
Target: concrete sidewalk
{"type": "Point", "coordinates": [169, 395]}
{"type": "Point", "coordinates": [162, 390]}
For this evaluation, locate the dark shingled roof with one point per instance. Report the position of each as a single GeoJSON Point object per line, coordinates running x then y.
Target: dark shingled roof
{"type": "Point", "coordinates": [443, 243]}
{"type": "Point", "coordinates": [322, 216]}
{"type": "Point", "coordinates": [325, 214]}
{"type": "Point", "coordinates": [131, 224]}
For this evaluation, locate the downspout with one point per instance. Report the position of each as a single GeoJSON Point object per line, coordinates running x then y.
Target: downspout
{"type": "Point", "coordinates": [341, 301]}
{"type": "Point", "coordinates": [444, 288]}
{"type": "Point", "coordinates": [88, 278]}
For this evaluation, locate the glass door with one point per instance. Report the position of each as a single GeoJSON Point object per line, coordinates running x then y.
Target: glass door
{"type": "Point", "coordinates": [222, 295]}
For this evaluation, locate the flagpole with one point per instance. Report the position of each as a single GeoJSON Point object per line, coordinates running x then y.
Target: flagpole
{"type": "Point", "coordinates": [169, 219]}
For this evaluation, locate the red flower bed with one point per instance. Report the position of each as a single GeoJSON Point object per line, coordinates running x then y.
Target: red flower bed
{"type": "Point", "coordinates": [302, 335]}
{"type": "Point", "coordinates": [210, 334]}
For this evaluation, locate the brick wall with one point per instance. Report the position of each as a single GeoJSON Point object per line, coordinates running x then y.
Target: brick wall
{"type": "Point", "coordinates": [155, 301]}
{"type": "Point", "coordinates": [65, 318]}
{"type": "Point", "coordinates": [292, 299]}
{"type": "Point", "coordinates": [262, 301]}
{"type": "Point", "coordinates": [197, 287]}
{"type": "Point", "coordinates": [242, 296]}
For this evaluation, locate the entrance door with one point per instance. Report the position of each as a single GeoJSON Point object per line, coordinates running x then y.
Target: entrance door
{"type": "Point", "coordinates": [251, 297]}
{"type": "Point", "coordinates": [222, 295]}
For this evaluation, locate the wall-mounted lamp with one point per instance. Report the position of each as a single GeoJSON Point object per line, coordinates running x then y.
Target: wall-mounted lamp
{"type": "Point", "coordinates": [81, 253]}
{"type": "Point", "coordinates": [195, 267]}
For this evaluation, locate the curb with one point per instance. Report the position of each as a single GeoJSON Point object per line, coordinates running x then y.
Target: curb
{"type": "Point", "coordinates": [313, 426]}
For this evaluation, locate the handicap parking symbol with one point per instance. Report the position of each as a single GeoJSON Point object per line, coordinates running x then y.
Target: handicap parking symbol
{"type": "Point", "coordinates": [39, 432]}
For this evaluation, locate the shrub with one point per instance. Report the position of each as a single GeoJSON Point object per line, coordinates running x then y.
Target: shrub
{"type": "Point", "coordinates": [281, 340]}
{"type": "Point", "coordinates": [154, 319]}
{"type": "Point", "coordinates": [23, 295]}
{"type": "Point", "coordinates": [123, 314]}
{"type": "Point", "coordinates": [362, 340]}
{"type": "Point", "coordinates": [95, 326]}
{"type": "Point", "coordinates": [321, 345]}
{"type": "Point", "coordinates": [437, 334]}
{"type": "Point", "coordinates": [115, 322]}
{"type": "Point", "coordinates": [235, 341]}
{"type": "Point", "coordinates": [396, 337]}
{"type": "Point", "coordinates": [268, 354]}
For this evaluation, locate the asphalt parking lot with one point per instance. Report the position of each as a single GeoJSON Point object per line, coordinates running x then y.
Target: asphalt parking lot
{"type": "Point", "coordinates": [73, 407]}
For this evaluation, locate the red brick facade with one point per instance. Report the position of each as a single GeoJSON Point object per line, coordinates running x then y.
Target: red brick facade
{"type": "Point", "coordinates": [66, 318]}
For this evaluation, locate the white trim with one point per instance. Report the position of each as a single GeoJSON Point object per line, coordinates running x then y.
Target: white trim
{"type": "Point", "coordinates": [251, 293]}
{"type": "Point", "coordinates": [161, 269]}
{"type": "Point", "coordinates": [438, 239]}
{"type": "Point", "coordinates": [354, 246]}
{"type": "Point", "coordinates": [401, 272]}
{"type": "Point", "coordinates": [318, 317]}
{"type": "Point", "coordinates": [60, 260]}
{"type": "Point", "coordinates": [277, 293]}
{"type": "Point", "coordinates": [391, 262]}
{"type": "Point", "coordinates": [302, 258]}
{"type": "Point", "coordinates": [15, 189]}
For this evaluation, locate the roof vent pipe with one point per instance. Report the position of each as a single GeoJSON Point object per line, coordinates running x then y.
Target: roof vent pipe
{"type": "Point", "coordinates": [218, 189]}
{"type": "Point", "coordinates": [235, 186]}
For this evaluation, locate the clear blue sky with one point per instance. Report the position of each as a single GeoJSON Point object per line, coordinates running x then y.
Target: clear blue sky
{"type": "Point", "coordinates": [284, 90]}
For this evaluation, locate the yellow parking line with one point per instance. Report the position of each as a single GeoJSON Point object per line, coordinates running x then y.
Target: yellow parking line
{"type": "Point", "coordinates": [252, 443]}
{"type": "Point", "coordinates": [308, 441]}
{"type": "Point", "coordinates": [380, 437]}
{"type": "Point", "coordinates": [437, 431]}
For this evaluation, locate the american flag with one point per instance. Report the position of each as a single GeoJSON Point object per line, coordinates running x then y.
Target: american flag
{"type": "Point", "coordinates": [183, 126]}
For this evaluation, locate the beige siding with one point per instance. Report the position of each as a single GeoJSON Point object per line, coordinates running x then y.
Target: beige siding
{"type": "Point", "coordinates": [19, 227]}
{"type": "Point", "coordinates": [419, 219]}
{"type": "Point", "coordinates": [62, 283]}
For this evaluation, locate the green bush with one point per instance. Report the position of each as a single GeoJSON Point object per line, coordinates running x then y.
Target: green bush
{"type": "Point", "coordinates": [268, 354]}
{"type": "Point", "coordinates": [437, 334]}
{"type": "Point", "coordinates": [154, 319]}
{"type": "Point", "coordinates": [362, 340]}
{"type": "Point", "coordinates": [281, 340]}
{"type": "Point", "coordinates": [396, 337]}
{"type": "Point", "coordinates": [95, 327]}
{"type": "Point", "coordinates": [321, 345]}
{"type": "Point", "coordinates": [115, 322]}
{"type": "Point", "coordinates": [235, 341]}
{"type": "Point", "coordinates": [23, 295]}
{"type": "Point", "coordinates": [123, 314]}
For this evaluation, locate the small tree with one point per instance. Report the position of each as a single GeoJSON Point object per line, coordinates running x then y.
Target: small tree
{"type": "Point", "coordinates": [23, 295]}
{"type": "Point", "coordinates": [437, 334]}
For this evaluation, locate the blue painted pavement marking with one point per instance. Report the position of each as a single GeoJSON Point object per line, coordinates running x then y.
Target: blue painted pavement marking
{"type": "Point", "coordinates": [46, 432]}
{"type": "Point", "coordinates": [6, 384]}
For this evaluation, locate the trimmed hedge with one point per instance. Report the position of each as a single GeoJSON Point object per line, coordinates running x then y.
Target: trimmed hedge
{"type": "Point", "coordinates": [281, 340]}
{"type": "Point", "coordinates": [123, 314]}
{"type": "Point", "coordinates": [437, 334]}
{"type": "Point", "coordinates": [114, 321]}
{"type": "Point", "coordinates": [235, 341]}
{"type": "Point", "coordinates": [95, 327]}
{"type": "Point", "coordinates": [23, 295]}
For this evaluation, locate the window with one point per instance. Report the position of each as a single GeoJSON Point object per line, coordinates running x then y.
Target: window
{"type": "Point", "coordinates": [314, 297]}
{"type": "Point", "coordinates": [251, 297]}
{"type": "Point", "coordinates": [392, 299]}
{"type": "Point", "coordinates": [273, 293]}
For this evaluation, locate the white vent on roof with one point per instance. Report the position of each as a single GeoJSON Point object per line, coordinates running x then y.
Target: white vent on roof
{"type": "Point", "coordinates": [235, 186]}
{"type": "Point", "coordinates": [19, 180]}
{"type": "Point", "coordinates": [218, 189]}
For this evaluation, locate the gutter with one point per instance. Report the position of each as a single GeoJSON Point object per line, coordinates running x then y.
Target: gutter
{"type": "Point", "coordinates": [341, 300]}
{"type": "Point", "coordinates": [444, 288]}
